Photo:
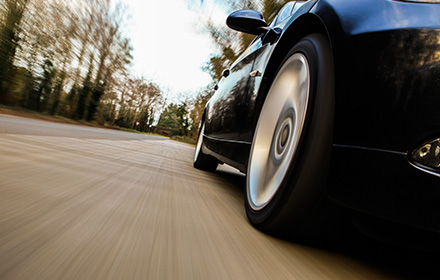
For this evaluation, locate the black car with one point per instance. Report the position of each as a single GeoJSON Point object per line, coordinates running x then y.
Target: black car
{"type": "Point", "coordinates": [339, 101]}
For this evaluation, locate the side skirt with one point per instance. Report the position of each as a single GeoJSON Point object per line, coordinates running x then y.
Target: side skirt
{"type": "Point", "coordinates": [234, 153]}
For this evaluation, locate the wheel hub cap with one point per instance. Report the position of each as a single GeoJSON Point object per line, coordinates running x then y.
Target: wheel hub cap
{"type": "Point", "coordinates": [278, 131]}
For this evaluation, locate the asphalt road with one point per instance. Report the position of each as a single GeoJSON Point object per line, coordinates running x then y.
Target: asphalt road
{"type": "Point", "coordinates": [85, 203]}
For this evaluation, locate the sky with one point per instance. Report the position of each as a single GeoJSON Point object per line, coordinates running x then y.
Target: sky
{"type": "Point", "coordinates": [170, 47]}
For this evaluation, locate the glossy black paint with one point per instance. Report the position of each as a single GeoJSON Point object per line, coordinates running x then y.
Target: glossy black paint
{"type": "Point", "coordinates": [227, 108]}
{"type": "Point", "coordinates": [392, 96]}
{"type": "Point", "coordinates": [387, 65]}
{"type": "Point", "coordinates": [401, 194]}
{"type": "Point", "coordinates": [252, 20]}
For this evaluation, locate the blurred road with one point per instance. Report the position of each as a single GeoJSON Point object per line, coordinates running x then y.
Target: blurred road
{"type": "Point", "coordinates": [85, 203]}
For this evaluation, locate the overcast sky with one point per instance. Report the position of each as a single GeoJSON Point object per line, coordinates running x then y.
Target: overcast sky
{"type": "Point", "coordinates": [169, 45]}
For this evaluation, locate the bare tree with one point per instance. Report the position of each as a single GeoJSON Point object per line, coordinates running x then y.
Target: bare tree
{"type": "Point", "coordinates": [11, 16]}
{"type": "Point", "coordinates": [114, 51]}
{"type": "Point", "coordinates": [73, 58]}
{"type": "Point", "coordinates": [140, 101]}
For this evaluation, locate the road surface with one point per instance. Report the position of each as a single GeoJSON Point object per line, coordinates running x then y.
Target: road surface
{"type": "Point", "coordinates": [86, 203]}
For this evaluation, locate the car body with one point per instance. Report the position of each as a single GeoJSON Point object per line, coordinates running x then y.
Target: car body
{"type": "Point", "coordinates": [383, 79]}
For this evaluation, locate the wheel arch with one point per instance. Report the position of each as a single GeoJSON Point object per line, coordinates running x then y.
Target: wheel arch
{"type": "Point", "coordinates": [305, 25]}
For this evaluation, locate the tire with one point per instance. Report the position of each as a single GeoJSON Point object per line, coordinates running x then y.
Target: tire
{"type": "Point", "coordinates": [201, 160]}
{"type": "Point", "coordinates": [291, 148]}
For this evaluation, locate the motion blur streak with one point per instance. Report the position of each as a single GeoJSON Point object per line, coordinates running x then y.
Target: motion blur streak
{"type": "Point", "coordinates": [131, 206]}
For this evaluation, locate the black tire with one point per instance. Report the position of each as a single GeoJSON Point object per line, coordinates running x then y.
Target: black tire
{"type": "Point", "coordinates": [201, 160]}
{"type": "Point", "coordinates": [297, 205]}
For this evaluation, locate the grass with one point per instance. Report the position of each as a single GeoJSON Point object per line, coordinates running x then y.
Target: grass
{"type": "Point", "coordinates": [136, 131]}
{"type": "Point", "coordinates": [184, 139]}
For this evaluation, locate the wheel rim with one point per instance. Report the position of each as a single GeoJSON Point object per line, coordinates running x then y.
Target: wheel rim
{"type": "Point", "coordinates": [199, 142]}
{"type": "Point", "coordinates": [278, 131]}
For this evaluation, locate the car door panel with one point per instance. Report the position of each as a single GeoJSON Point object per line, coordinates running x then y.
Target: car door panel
{"type": "Point", "coordinates": [227, 109]}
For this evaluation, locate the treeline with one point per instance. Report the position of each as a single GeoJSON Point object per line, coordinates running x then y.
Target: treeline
{"type": "Point", "coordinates": [183, 118]}
{"type": "Point", "coordinates": [71, 58]}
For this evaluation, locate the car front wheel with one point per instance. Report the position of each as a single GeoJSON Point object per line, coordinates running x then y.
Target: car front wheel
{"type": "Point", "coordinates": [291, 148]}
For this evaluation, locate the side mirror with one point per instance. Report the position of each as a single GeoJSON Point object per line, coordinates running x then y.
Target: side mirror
{"type": "Point", "coordinates": [247, 21]}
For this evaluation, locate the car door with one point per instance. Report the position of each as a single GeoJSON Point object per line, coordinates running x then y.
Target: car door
{"type": "Point", "coordinates": [226, 110]}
